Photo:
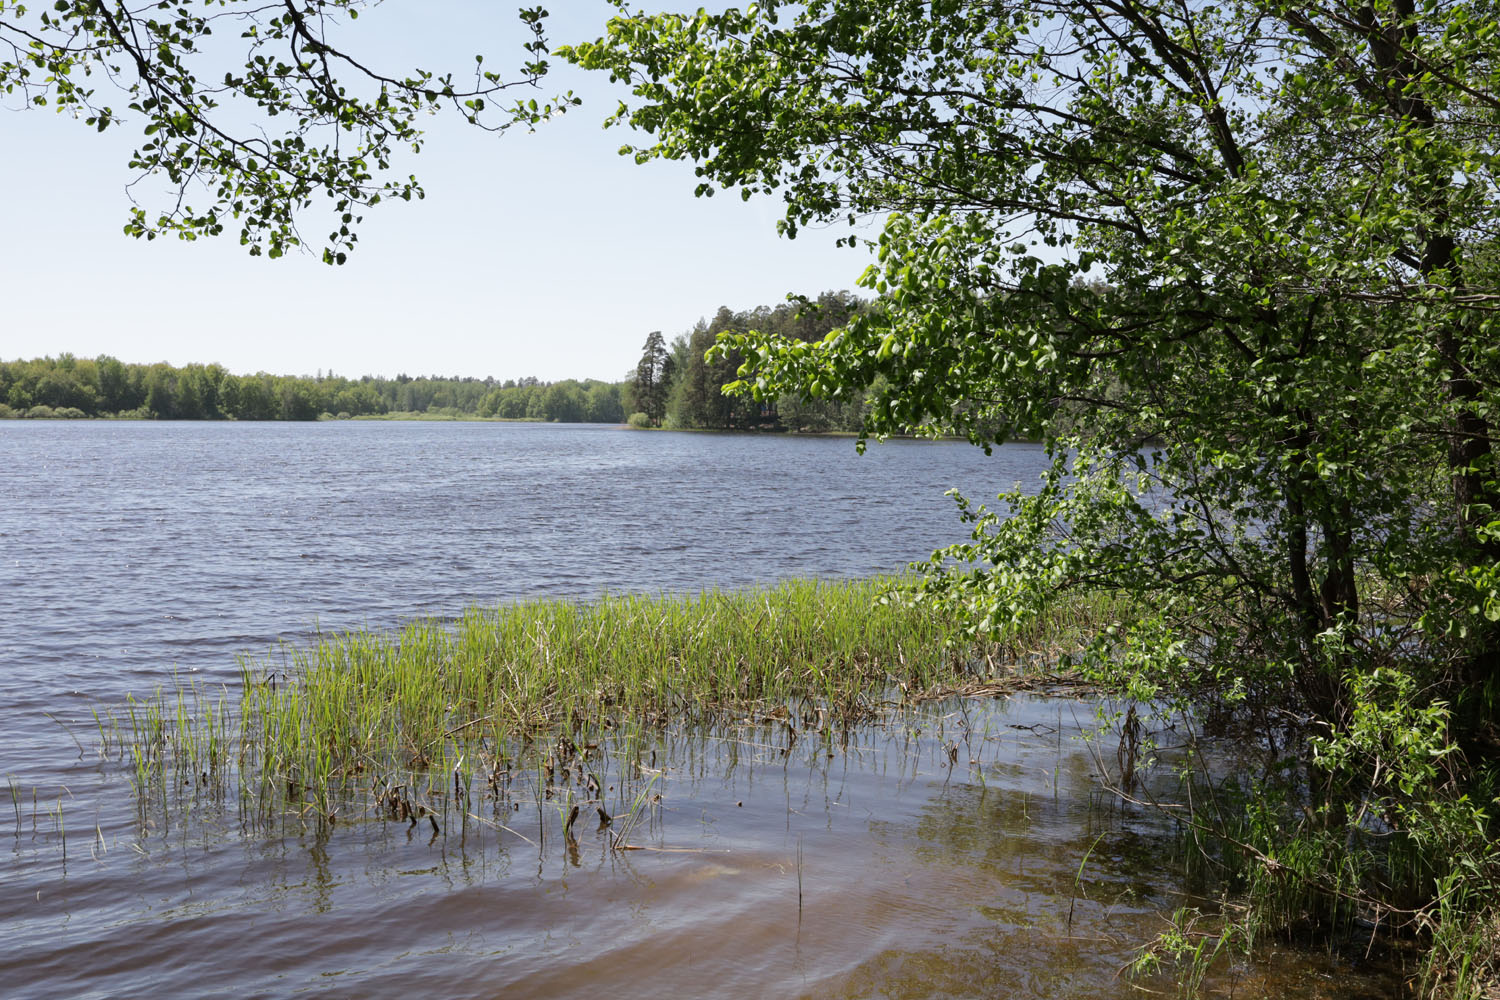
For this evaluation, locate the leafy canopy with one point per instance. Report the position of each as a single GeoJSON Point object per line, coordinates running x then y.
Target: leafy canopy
{"type": "Point", "coordinates": [1231, 261]}
{"type": "Point", "coordinates": [251, 139]}
{"type": "Point", "coordinates": [1215, 252]}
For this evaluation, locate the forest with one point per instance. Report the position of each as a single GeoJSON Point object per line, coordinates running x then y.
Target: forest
{"type": "Point", "coordinates": [678, 385]}
{"type": "Point", "coordinates": [683, 390]}
{"type": "Point", "coordinates": [71, 387]}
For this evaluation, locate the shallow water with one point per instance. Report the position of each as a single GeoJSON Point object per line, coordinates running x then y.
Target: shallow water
{"type": "Point", "coordinates": [130, 553]}
{"type": "Point", "coordinates": [939, 854]}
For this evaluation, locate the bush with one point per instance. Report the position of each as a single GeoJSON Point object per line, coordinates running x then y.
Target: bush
{"type": "Point", "coordinates": [41, 413]}
{"type": "Point", "coordinates": [6, 413]}
{"type": "Point", "coordinates": [639, 420]}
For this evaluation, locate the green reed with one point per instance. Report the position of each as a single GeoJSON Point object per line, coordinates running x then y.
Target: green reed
{"type": "Point", "coordinates": [416, 715]}
{"type": "Point", "coordinates": [15, 801]}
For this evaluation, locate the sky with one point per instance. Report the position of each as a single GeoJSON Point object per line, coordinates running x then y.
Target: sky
{"type": "Point", "coordinates": [543, 254]}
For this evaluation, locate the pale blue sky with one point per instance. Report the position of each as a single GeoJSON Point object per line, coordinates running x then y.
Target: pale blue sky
{"type": "Point", "coordinates": [544, 254]}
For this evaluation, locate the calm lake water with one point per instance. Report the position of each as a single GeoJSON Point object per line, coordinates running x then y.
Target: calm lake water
{"type": "Point", "coordinates": [131, 550]}
{"type": "Point", "coordinates": [131, 553]}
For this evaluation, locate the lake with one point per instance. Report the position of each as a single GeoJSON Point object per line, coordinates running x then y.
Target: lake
{"type": "Point", "coordinates": [136, 554]}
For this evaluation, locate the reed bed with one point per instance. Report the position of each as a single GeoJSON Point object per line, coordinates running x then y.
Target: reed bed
{"type": "Point", "coordinates": [415, 717]}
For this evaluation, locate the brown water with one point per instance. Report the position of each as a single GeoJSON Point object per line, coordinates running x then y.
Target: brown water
{"type": "Point", "coordinates": [936, 855]}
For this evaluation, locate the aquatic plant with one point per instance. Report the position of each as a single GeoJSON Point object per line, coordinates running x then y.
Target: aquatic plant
{"type": "Point", "coordinates": [404, 721]}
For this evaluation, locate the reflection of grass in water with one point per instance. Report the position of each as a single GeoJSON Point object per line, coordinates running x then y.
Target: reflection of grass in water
{"type": "Point", "coordinates": [416, 715]}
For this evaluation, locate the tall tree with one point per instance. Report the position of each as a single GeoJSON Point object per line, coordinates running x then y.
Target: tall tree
{"type": "Point", "coordinates": [703, 399]}
{"type": "Point", "coordinates": [1220, 257]}
{"type": "Point", "coordinates": [653, 378]}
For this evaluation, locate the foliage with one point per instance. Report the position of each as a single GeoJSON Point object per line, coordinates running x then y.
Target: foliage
{"type": "Point", "coordinates": [680, 386]}
{"type": "Point", "coordinates": [568, 401]}
{"type": "Point", "coordinates": [653, 378]}
{"type": "Point", "coordinates": [1234, 265]}
{"type": "Point", "coordinates": [1192, 952]}
{"type": "Point", "coordinates": [106, 387]}
{"type": "Point", "coordinates": [299, 112]}
{"type": "Point", "coordinates": [700, 400]}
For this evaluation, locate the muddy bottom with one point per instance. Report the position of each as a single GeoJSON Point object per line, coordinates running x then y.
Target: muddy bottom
{"type": "Point", "coordinates": [967, 850]}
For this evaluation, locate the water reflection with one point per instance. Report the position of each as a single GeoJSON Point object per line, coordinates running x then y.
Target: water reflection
{"type": "Point", "coordinates": [921, 858]}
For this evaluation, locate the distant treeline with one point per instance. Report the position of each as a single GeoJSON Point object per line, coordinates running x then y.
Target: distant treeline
{"type": "Point", "coordinates": [66, 386]}
{"type": "Point", "coordinates": [675, 386]}
{"type": "Point", "coordinates": [678, 387]}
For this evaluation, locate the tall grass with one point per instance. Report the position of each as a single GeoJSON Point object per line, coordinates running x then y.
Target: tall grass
{"type": "Point", "coordinates": [414, 715]}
